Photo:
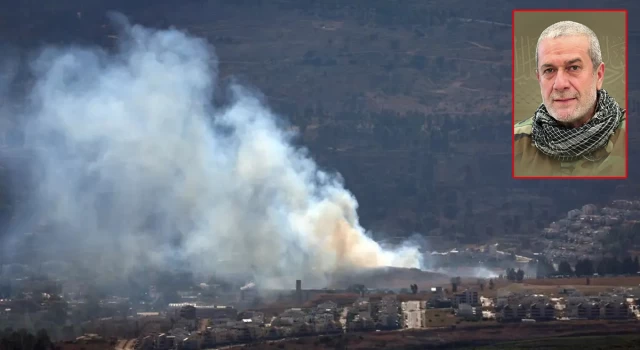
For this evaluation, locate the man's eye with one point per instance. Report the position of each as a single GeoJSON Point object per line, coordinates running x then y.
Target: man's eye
{"type": "Point", "coordinates": [574, 67]}
{"type": "Point", "coordinates": [548, 70]}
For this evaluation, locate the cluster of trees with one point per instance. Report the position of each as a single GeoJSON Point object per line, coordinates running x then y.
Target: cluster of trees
{"type": "Point", "coordinates": [455, 282]}
{"type": "Point", "coordinates": [23, 339]}
{"type": "Point", "coordinates": [584, 267]}
{"type": "Point", "coordinates": [514, 275]}
{"type": "Point", "coordinates": [606, 266]}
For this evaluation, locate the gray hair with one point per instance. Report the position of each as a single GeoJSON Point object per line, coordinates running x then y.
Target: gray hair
{"type": "Point", "coordinates": [570, 28]}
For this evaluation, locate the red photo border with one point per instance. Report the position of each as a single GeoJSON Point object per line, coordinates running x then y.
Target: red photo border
{"type": "Point", "coordinates": [626, 93]}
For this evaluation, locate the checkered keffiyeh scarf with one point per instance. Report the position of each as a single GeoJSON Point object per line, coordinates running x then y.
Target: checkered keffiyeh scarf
{"type": "Point", "coordinates": [568, 144]}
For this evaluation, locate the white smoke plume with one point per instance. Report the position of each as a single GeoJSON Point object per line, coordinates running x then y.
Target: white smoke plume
{"type": "Point", "coordinates": [137, 167]}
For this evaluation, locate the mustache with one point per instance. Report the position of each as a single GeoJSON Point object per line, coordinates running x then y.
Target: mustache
{"type": "Point", "coordinates": [563, 97]}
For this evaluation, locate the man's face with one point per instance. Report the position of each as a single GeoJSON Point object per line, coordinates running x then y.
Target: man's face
{"type": "Point", "coordinates": [568, 82]}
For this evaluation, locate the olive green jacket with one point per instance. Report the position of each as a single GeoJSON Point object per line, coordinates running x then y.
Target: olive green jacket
{"type": "Point", "coordinates": [529, 161]}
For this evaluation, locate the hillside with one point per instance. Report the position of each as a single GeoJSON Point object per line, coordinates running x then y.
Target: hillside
{"type": "Point", "coordinates": [409, 101]}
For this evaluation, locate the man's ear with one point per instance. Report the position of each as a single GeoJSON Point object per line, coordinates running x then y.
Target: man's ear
{"type": "Point", "coordinates": [600, 76]}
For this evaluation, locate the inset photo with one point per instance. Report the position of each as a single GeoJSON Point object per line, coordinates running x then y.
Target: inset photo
{"type": "Point", "coordinates": [569, 81]}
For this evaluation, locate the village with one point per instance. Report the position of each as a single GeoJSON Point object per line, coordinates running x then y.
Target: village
{"type": "Point", "coordinates": [195, 326]}
{"type": "Point", "coordinates": [590, 232]}
{"type": "Point", "coordinates": [570, 281]}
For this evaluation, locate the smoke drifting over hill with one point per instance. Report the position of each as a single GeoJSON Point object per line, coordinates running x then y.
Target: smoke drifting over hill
{"type": "Point", "coordinates": [137, 168]}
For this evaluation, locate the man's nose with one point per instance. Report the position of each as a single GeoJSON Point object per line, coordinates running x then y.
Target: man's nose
{"type": "Point", "coordinates": [562, 81]}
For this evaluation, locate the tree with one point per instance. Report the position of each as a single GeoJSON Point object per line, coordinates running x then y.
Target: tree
{"type": "Point", "coordinates": [520, 275]}
{"type": "Point", "coordinates": [511, 274]}
{"type": "Point", "coordinates": [603, 267]}
{"type": "Point", "coordinates": [564, 268]}
{"type": "Point", "coordinates": [43, 342]}
{"type": "Point", "coordinates": [455, 281]}
{"type": "Point", "coordinates": [491, 285]}
{"type": "Point", "coordinates": [414, 288]}
{"type": "Point", "coordinates": [616, 266]}
{"type": "Point", "coordinates": [629, 266]}
{"type": "Point", "coordinates": [584, 268]}
{"type": "Point", "coordinates": [609, 266]}
{"type": "Point", "coordinates": [544, 268]}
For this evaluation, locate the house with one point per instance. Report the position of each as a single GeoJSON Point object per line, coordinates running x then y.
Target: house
{"type": "Point", "coordinates": [440, 303]}
{"type": "Point", "coordinates": [412, 305]}
{"type": "Point", "coordinates": [469, 296]}
{"type": "Point", "coordinates": [542, 311]}
{"type": "Point", "coordinates": [512, 312]}
{"type": "Point", "coordinates": [165, 342]}
{"type": "Point", "coordinates": [256, 317]}
{"type": "Point", "coordinates": [388, 312]}
{"type": "Point", "coordinates": [468, 312]}
{"type": "Point", "coordinates": [437, 292]}
{"type": "Point", "coordinates": [413, 313]}
{"type": "Point", "coordinates": [362, 304]}
{"type": "Point", "coordinates": [190, 343]}
{"type": "Point", "coordinates": [615, 311]}
{"type": "Point", "coordinates": [388, 320]}
{"type": "Point", "coordinates": [146, 343]}
{"type": "Point", "coordinates": [327, 307]}
{"type": "Point", "coordinates": [217, 336]}
{"type": "Point", "coordinates": [361, 321]}
{"type": "Point", "coordinates": [208, 339]}
{"type": "Point", "coordinates": [521, 311]}
{"type": "Point", "coordinates": [588, 310]}
{"type": "Point", "coordinates": [414, 319]}
{"type": "Point", "coordinates": [245, 331]}
{"type": "Point", "coordinates": [324, 322]}
{"type": "Point", "coordinates": [291, 317]}
{"type": "Point", "coordinates": [216, 312]}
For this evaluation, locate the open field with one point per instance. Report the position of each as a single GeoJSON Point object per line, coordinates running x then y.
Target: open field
{"type": "Point", "coordinates": [546, 286]}
{"type": "Point", "coordinates": [553, 286]}
{"type": "Point", "coordinates": [632, 281]}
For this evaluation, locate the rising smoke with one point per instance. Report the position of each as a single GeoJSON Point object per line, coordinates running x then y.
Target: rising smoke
{"type": "Point", "coordinates": [136, 167]}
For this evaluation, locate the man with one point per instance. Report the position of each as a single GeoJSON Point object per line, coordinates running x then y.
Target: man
{"type": "Point", "coordinates": [579, 128]}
